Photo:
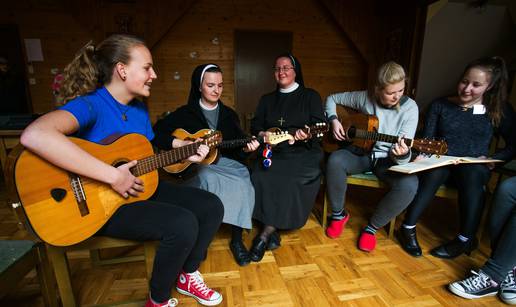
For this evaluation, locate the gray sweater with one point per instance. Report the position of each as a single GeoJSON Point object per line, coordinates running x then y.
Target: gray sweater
{"type": "Point", "coordinates": [402, 122]}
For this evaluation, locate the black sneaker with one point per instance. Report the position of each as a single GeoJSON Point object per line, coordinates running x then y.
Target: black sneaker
{"type": "Point", "coordinates": [476, 286]}
{"type": "Point", "coordinates": [508, 288]}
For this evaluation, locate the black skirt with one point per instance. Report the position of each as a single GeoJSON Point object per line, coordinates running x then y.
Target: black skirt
{"type": "Point", "coordinates": [286, 191]}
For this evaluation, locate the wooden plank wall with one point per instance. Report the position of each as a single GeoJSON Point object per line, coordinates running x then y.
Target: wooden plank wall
{"type": "Point", "coordinates": [330, 62]}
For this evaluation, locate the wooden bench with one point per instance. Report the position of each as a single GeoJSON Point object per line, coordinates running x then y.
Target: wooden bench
{"type": "Point", "coordinates": [370, 180]}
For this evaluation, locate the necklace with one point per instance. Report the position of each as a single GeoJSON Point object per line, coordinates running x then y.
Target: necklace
{"type": "Point", "coordinates": [123, 110]}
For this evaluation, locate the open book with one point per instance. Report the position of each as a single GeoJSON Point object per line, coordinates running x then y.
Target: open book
{"type": "Point", "coordinates": [437, 161]}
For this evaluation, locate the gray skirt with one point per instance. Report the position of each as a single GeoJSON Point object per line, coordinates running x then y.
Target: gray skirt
{"type": "Point", "coordinates": [230, 181]}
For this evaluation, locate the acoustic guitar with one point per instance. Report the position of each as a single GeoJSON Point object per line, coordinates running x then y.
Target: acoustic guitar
{"type": "Point", "coordinates": [361, 130]}
{"type": "Point", "coordinates": [65, 208]}
{"type": "Point", "coordinates": [277, 136]}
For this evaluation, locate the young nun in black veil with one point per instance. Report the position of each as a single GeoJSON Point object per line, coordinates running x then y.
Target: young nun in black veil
{"type": "Point", "coordinates": [228, 178]}
{"type": "Point", "coordinates": [286, 191]}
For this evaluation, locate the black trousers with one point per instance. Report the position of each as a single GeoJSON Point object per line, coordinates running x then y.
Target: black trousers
{"type": "Point", "coordinates": [470, 181]}
{"type": "Point", "coordinates": [183, 219]}
{"type": "Point", "coordinates": [502, 229]}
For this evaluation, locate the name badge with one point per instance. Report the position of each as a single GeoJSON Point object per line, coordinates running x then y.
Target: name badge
{"type": "Point", "coordinates": [479, 109]}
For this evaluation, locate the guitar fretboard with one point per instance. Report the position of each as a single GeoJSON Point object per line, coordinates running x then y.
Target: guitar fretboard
{"type": "Point", "coordinates": [238, 142]}
{"type": "Point", "coordinates": [156, 161]}
{"type": "Point", "coordinates": [375, 136]}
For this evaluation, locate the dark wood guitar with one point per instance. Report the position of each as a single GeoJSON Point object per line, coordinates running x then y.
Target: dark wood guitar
{"type": "Point", "coordinates": [65, 208]}
{"type": "Point", "coordinates": [361, 130]}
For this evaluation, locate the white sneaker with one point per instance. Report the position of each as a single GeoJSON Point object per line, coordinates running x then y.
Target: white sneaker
{"type": "Point", "coordinates": [508, 288]}
{"type": "Point", "coordinates": [476, 286]}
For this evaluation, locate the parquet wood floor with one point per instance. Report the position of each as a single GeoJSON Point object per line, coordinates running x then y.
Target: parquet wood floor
{"type": "Point", "coordinates": [308, 270]}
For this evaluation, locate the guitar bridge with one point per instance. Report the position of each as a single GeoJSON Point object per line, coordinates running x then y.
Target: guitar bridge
{"type": "Point", "coordinates": [78, 192]}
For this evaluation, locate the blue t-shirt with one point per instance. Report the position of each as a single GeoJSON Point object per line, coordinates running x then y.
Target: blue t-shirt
{"type": "Point", "coordinates": [100, 116]}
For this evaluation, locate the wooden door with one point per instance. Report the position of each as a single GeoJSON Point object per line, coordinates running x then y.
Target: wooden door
{"type": "Point", "coordinates": [14, 98]}
{"type": "Point", "coordinates": [255, 52]}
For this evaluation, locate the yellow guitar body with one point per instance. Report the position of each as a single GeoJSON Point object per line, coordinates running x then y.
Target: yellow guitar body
{"type": "Point", "coordinates": [184, 135]}
{"type": "Point", "coordinates": [59, 221]}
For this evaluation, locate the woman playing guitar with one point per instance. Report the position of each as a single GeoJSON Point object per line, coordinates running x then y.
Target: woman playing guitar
{"type": "Point", "coordinates": [228, 178]}
{"type": "Point", "coordinates": [397, 115]}
{"type": "Point", "coordinates": [183, 219]}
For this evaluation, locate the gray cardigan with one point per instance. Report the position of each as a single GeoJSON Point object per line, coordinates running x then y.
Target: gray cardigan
{"type": "Point", "coordinates": [402, 122]}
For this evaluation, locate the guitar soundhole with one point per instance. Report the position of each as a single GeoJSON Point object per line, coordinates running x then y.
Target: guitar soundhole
{"type": "Point", "coordinates": [352, 132]}
{"type": "Point", "coordinates": [58, 194]}
{"type": "Point", "coordinates": [120, 162]}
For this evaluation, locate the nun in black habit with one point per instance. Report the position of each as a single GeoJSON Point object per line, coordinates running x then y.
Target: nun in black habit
{"type": "Point", "coordinates": [228, 178]}
{"type": "Point", "coordinates": [286, 191]}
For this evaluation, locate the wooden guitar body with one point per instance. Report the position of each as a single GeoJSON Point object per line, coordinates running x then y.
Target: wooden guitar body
{"type": "Point", "coordinates": [59, 211]}
{"type": "Point", "coordinates": [351, 121]}
{"type": "Point", "coordinates": [184, 135]}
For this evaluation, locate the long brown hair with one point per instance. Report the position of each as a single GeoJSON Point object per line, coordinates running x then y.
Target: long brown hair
{"type": "Point", "coordinates": [93, 66]}
{"type": "Point", "coordinates": [496, 94]}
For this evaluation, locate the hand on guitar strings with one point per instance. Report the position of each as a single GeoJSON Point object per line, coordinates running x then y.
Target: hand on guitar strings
{"type": "Point", "coordinates": [300, 135]}
{"type": "Point", "coordinates": [338, 131]}
{"type": "Point", "coordinates": [251, 146]}
{"type": "Point", "coordinates": [400, 148]}
{"type": "Point", "coordinates": [126, 184]}
{"type": "Point", "coordinates": [201, 153]}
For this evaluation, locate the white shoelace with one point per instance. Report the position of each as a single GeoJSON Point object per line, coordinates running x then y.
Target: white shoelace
{"type": "Point", "coordinates": [198, 282]}
{"type": "Point", "coordinates": [476, 282]}
{"type": "Point", "coordinates": [173, 302]}
{"type": "Point", "coordinates": [509, 282]}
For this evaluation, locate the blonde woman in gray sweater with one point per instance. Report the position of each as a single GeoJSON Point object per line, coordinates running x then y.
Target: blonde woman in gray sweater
{"type": "Point", "coordinates": [398, 116]}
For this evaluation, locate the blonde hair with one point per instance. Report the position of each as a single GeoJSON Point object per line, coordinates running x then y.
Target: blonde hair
{"type": "Point", "coordinates": [389, 73]}
{"type": "Point", "coordinates": [93, 66]}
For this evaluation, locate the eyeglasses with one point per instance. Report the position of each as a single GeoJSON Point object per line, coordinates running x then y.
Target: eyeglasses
{"type": "Point", "coordinates": [282, 69]}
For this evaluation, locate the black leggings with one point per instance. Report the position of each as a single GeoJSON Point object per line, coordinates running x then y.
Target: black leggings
{"type": "Point", "coordinates": [183, 219]}
{"type": "Point", "coordinates": [470, 180]}
{"type": "Point", "coordinates": [502, 228]}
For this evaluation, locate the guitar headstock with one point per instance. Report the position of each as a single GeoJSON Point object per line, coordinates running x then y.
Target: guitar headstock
{"type": "Point", "coordinates": [437, 147]}
{"type": "Point", "coordinates": [277, 137]}
{"type": "Point", "coordinates": [212, 138]}
{"type": "Point", "coordinates": [318, 130]}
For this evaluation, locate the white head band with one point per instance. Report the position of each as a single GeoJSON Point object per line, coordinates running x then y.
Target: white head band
{"type": "Point", "coordinates": [204, 70]}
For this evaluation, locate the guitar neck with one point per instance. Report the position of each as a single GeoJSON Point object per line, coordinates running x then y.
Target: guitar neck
{"type": "Point", "coordinates": [162, 159]}
{"type": "Point", "coordinates": [375, 136]}
{"type": "Point", "coordinates": [239, 142]}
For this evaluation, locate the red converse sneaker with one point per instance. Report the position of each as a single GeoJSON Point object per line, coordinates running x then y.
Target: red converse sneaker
{"type": "Point", "coordinates": [367, 241]}
{"type": "Point", "coordinates": [336, 226]}
{"type": "Point", "coordinates": [193, 285]}
{"type": "Point", "coordinates": [170, 303]}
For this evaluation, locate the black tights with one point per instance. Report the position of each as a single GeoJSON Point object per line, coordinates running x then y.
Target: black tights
{"type": "Point", "coordinates": [183, 219]}
{"type": "Point", "coordinates": [470, 180]}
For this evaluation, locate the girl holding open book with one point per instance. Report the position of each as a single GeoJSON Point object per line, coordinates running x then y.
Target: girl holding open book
{"type": "Point", "coordinates": [467, 122]}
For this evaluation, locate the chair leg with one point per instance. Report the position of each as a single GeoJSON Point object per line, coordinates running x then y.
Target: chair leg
{"type": "Point", "coordinates": [46, 277]}
{"type": "Point", "coordinates": [59, 261]}
{"type": "Point", "coordinates": [392, 225]}
{"type": "Point", "coordinates": [149, 248]}
{"type": "Point", "coordinates": [324, 216]}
